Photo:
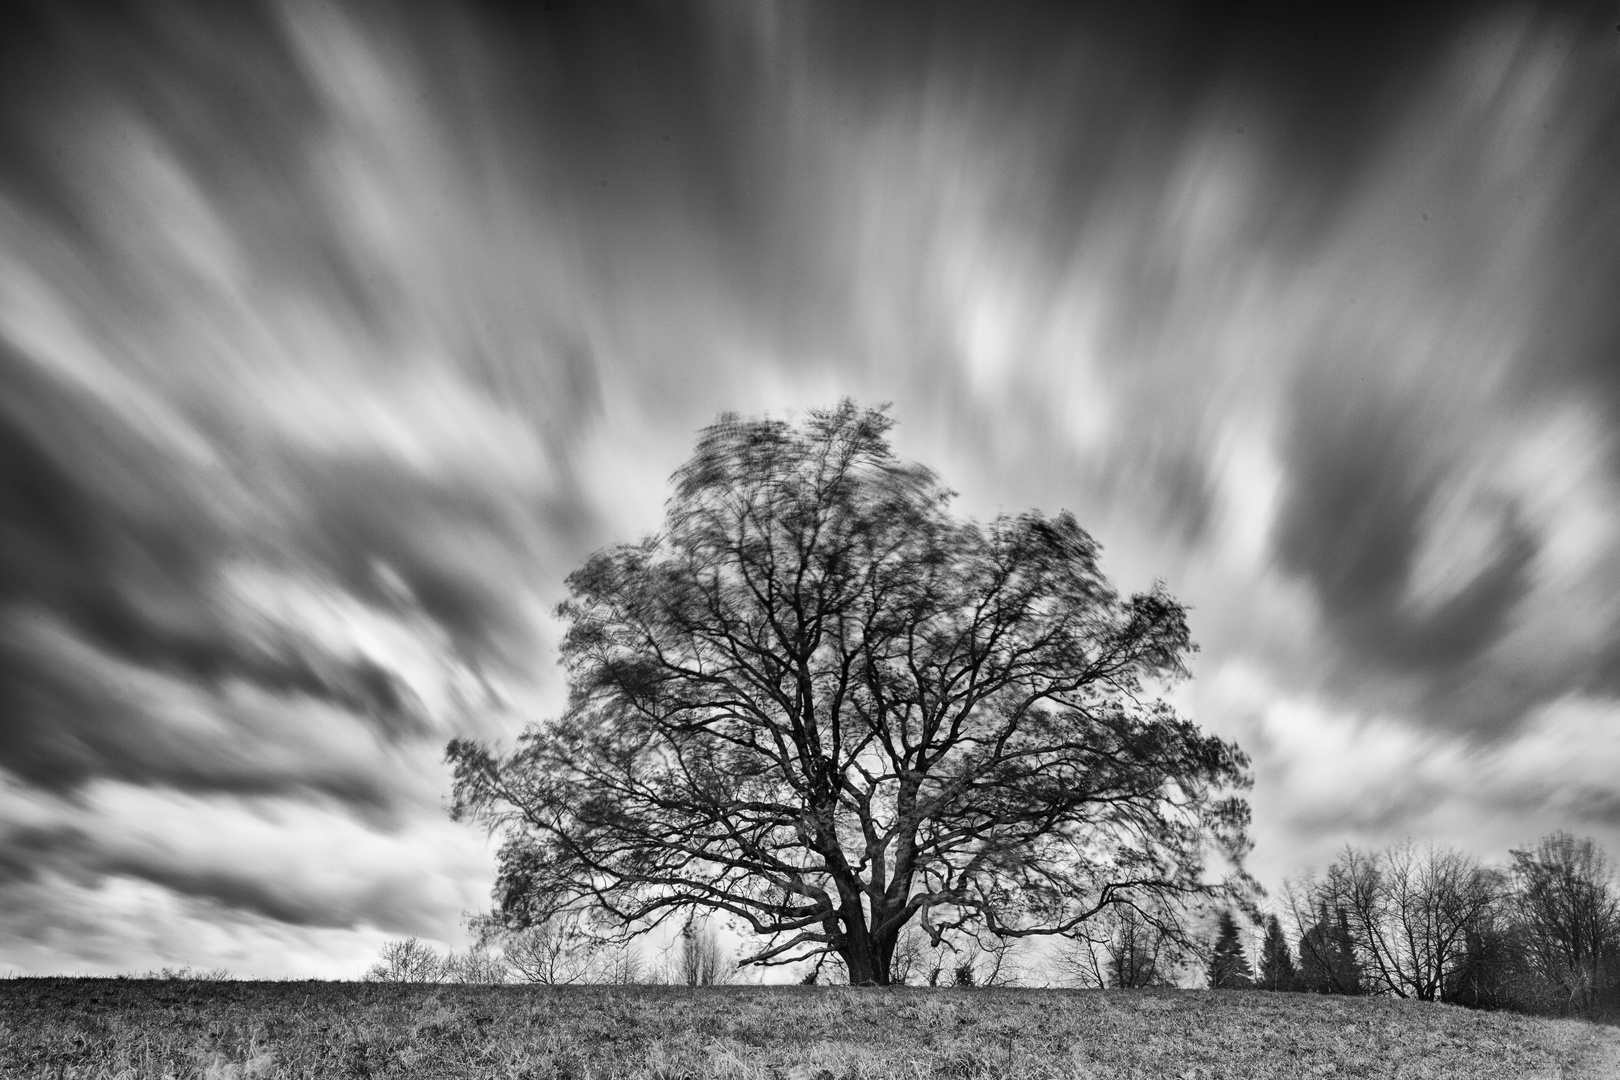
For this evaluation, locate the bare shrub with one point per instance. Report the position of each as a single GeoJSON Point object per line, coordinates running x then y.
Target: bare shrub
{"type": "Point", "coordinates": [407, 961]}
{"type": "Point", "coordinates": [187, 973]}
{"type": "Point", "coordinates": [985, 961]}
{"type": "Point", "coordinates": [478, 965]}
{"type": "Point", "coordinates": [560, 951]}
{"type": "Point", "coordinates": [552, 953]}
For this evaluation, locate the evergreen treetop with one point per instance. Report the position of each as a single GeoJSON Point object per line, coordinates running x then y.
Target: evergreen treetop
{"type": "Point", "coordinates": [1228, 968]}
{"type": "Point", "coordinates": [1277, 971]}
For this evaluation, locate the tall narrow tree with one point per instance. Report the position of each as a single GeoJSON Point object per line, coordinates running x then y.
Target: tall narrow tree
{"type": "Point", "coordinates": [1228, 968]}
{"type": "Point", "coordinates": [1277, 970]}
{"type": "Point", "coordinates": [821, 705]}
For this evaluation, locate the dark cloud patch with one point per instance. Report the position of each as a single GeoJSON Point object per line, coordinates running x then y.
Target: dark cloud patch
{"type": "Point", "coordinates": [117, 544]}
{"type": "Point", "coordinates": [724, 133]}
{"type": "Point", "coordinates": [73, 717]}
{"type": "Point", "coordinates": [1593, 805]}
{"type": "Point", "coordinates": [25, 851]}
{"type": "Point", "coordinates": [314, 896]}
{"type": "Point", "coordinates": [1577, 331]}
{"type": "Point", "coordinates": [1115, 94]}
{"type": "Point", "coordinates": [222, 86]}
{"type": "Point", "coordinates": [465, 554]}
{"type": "Point", "coordinates": [1603, 675]}
{"type": "Point", "coordinates": [1166, 481]}
{"type": "Point", "coordinates": [389, 904]}
{"type": "Point", "coordinates": [1371, 812]}
{"type": "Point", "coordinates": [1362, 480]}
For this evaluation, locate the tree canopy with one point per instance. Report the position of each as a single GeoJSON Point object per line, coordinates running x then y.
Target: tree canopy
{"type": "Point", "coordinates": [823, 707]}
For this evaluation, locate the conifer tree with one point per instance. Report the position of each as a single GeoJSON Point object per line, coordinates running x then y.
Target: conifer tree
{"type": "Point", "coordinates": [1228, 968]}
{"type": "Point", "coordinates": [1276, 961]}
{"type": "Point", "coordinates": [1327, 956]}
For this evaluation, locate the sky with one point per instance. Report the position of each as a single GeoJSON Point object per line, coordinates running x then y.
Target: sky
{"type": "Point", "coordinates": [333, 336]}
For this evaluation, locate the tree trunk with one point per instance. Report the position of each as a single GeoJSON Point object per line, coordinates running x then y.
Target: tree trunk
{"type": "Point", "coordinates": [868, 966]}
{"type": "Point", "coordinates": [868, 959]}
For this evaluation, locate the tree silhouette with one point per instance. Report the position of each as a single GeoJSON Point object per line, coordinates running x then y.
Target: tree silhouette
{"type": "Point", "coordinates": [1410, 911]}
{"type": "Point", "coordinates": [1327, 956]}
{"type": "Point", "coordinates": [409, 960]}
{"type": "Point", "coordinates": [1276, 962]}
{"type": "Point", "coordinates": [1569, 912]}
{"type": "Point", "coordinates": [821, 705]}
{"type": "Point", "coordinates": [1228, 967]}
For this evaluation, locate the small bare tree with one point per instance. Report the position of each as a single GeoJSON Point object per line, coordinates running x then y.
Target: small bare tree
{"type": "Point", "coordinates": [1141, 950]}
{"type": "Point", "coordinates": [1126, 949]}
{"type": "Point", "coordinates": [701, 960]}
{"type": "Point", "coordinates": [550, 953]}
{"type": "Point", "coordinates": [1082, 961]}
{"type": "Point", "coordinates": [910, 961]}
{"type": "Point", "coordinates": [618, 964]}
{"type": "Point", "coordinates": [407, 961]}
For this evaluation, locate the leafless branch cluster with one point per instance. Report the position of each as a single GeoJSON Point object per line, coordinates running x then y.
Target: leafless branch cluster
{"type": "Point", "coordinates": [410, 960]}
{"type": "Point", "coordinates": [1128, 948]}
{"type": "Point", "coordinates": [1434, 924]}
{"type": "Point", "coordinates": [1410, 914]}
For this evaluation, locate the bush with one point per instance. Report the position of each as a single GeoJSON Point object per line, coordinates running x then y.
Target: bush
{"type": "Point", "coordinates": [407, 961]}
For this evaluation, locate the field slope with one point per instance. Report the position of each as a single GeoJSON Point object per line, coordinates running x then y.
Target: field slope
{"type": "Point", "coordinates": [129, 1028]}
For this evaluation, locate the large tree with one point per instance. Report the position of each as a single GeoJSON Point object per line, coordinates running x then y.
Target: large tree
{"type": "Point", "coordinates": [820, 705]}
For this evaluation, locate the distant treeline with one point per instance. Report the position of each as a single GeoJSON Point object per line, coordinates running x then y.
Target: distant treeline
{"type": "Point", "coordinates": [1541, 935]}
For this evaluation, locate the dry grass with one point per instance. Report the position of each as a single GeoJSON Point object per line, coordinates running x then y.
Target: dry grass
{"type": "Point", "coordinates": [130, 1028]}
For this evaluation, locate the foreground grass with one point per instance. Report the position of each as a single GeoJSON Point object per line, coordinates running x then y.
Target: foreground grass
{"type": "Point", "coordinates": [221, 1031]}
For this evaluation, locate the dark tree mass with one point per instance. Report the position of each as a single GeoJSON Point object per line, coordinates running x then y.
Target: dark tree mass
{"type": "Point", "coordinates": [821, 706]}
{"type": "Point", "coordinates": [1228, 968]}
{"type": "Point", "coordinates": [1277, 971]}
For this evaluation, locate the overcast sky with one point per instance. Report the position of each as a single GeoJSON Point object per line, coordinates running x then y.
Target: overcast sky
{"type": "Point", "coordinates": [331, 339]}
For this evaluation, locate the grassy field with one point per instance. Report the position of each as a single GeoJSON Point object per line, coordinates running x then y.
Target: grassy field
{"type": "Point", "coordinates": [133, 1028]}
